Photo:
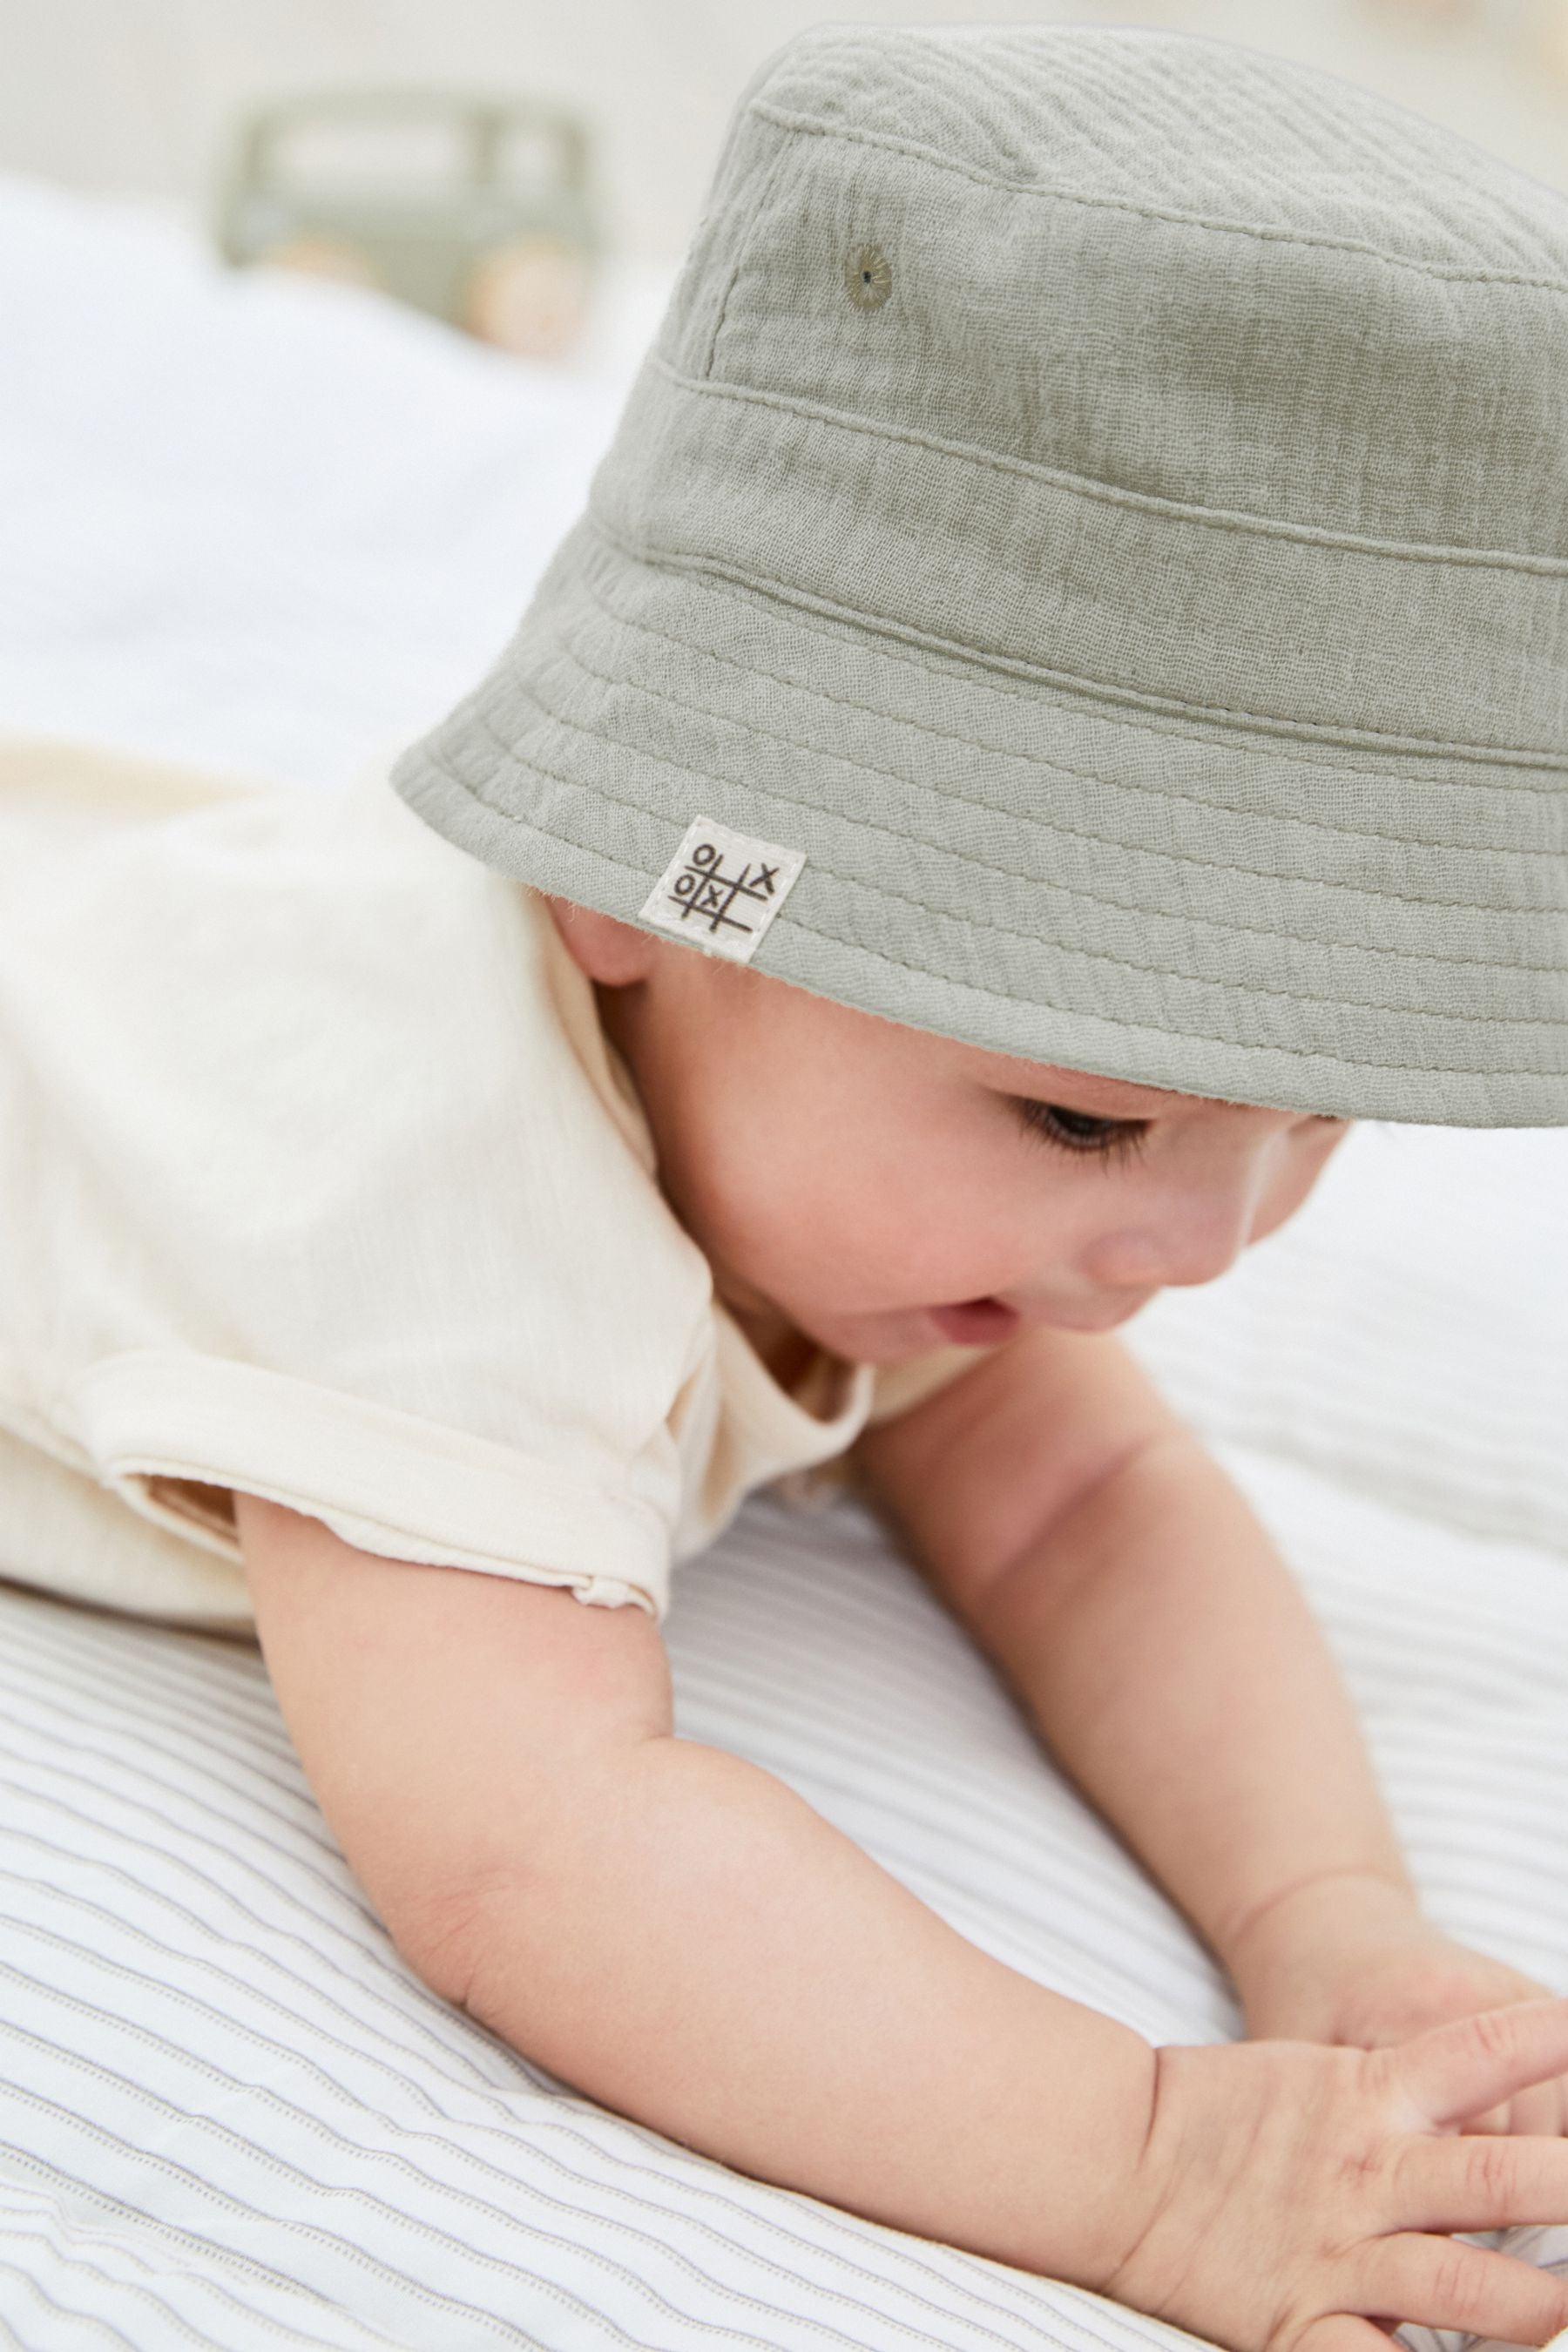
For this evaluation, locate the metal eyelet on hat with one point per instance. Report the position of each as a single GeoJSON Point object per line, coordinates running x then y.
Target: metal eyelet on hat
{"type": "Point", "coordinates": [868, 278]}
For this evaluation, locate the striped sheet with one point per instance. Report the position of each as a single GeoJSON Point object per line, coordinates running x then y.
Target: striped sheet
{"type": "Point", "coordinates": [231, 2117]}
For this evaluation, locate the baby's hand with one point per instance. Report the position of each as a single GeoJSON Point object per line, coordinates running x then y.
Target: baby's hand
{"type": "Point", "coordinates": [1394, 1980]}
{"type": "Point", "coordinates": [1287, 2194]}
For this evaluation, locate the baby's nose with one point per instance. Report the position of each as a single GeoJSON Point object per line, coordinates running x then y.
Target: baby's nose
{"type": "Point", "coordinates": [1189, 1249]}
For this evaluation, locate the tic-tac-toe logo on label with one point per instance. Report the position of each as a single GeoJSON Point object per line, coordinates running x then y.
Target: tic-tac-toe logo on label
{"type": "Point", "coordinates": [721, 889]}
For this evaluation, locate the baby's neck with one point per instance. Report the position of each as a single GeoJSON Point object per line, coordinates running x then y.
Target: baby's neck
{"type": "Point", "coordinates": [785, 1351]}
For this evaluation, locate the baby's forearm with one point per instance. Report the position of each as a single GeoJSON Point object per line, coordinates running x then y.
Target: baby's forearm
{"type": "Point", "coordinates": [708, 1954]}
{"type": "Point", "coordinates": [669, 1927]}
{"type": "Point", "coordinates": [1173, 1667]}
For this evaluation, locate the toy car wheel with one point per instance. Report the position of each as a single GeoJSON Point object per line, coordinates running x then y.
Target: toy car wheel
{"type": "Point", "coordinates": [528, 296]}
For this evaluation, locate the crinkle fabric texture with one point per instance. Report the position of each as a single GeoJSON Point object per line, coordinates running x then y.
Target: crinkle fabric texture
{"type": "Point", "coordinates": [319, 1178]}
{"type": "Point", "coordinates": [1101, 496]}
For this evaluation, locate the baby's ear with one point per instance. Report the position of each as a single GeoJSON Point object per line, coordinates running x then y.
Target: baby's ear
{"type": "Point", "coordinates": [612, 953]}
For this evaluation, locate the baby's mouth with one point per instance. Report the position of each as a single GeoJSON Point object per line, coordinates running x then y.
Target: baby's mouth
{"type": "Point", "coordinates": [977, 1323]}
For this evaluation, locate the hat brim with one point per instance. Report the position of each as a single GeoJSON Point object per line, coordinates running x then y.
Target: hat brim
{"type": "Point", "coordinates": [1036, 869]}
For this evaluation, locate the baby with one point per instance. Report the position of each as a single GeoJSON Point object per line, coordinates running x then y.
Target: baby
{"type": "Point", "coordinates": [1057, 709]}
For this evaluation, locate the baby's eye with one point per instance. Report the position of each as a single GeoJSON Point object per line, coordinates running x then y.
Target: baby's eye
{"type": "Point", "coordinates": [1079, 1131]}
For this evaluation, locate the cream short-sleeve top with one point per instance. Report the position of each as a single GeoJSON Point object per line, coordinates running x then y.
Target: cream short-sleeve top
{"type": "Point", "coordinates": [319, 1180]}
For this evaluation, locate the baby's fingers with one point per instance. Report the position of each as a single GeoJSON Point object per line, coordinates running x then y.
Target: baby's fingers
{"type": "Point", "coordinates": [1461, 2069]}
{"type": "Point", "coordinates": [1441, 2283]}
{"type": "Point", "coordinates": [1542, 2112]}
{"type": "Point", "coordinates": [1487, 2182]}
{"type": "Point", "coordinates": [1338, 2331]}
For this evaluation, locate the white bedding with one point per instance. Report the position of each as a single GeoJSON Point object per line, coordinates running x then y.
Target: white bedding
{"type": "Point", "coordinates": [274, 529]}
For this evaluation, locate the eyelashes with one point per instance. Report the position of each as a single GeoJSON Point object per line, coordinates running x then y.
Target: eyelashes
{"type": "Point", "coordinates": [1108, 1140]}
{"type": "Point", "coordinates": [1076, 1132]}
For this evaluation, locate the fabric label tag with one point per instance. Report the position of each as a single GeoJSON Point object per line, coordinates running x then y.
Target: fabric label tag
{"type": "Point", "coordinates": [721, 889]}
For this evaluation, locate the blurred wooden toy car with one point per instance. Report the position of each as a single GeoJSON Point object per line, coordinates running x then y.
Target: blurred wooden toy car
{"type": "Point", "coordinates": [478, 209]}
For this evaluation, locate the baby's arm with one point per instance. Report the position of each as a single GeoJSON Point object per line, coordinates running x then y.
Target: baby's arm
{"type": "Point", "coordinates": [670, 1929]}
{"type": "Point", "coordinates": [1100, 1555]}
{"type": "Point", "coordinates": [679, 1935]}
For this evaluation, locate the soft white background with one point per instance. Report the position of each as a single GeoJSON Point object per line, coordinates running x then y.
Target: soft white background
{"type": "Point", "coordinates": [137, 94]}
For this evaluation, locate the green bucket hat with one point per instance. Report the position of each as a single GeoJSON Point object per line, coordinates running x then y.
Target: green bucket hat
{"type": "Point", "coordinates": [1083, 570]}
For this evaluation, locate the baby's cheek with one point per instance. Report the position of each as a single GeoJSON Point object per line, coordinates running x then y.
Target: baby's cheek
{"type": "Point", "coordinates": [933, 1244]}
{"type": "Point", "coordinates": [1312, 1147]}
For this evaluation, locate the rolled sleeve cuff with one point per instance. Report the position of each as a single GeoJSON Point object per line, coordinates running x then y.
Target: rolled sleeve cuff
{"type": "Point", "coordinates": [383, 1480]}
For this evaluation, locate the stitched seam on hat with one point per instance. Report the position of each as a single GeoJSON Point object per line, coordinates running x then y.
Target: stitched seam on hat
{"type": "Point", "coordinates": [764, 192]}
{"type": "Point", "coordinates": [1231, 519]}
{"type": "Point", "coordinates": [1092, 689]}
{"type": "Point", "coordinates": [889, 141]}
{"type": "Point", "coordinates": [1051, 826]}
{"type": "Point", "coordinates": [439, 762]}
{"type": "Point", "coordinates": [1000, 680]}
{"type": "Point", "coordinates": [1058, 767]}
{"type": "Point", "coordinates": [860, 822]}
{"type": "Point", "coordinates": [881, 890]}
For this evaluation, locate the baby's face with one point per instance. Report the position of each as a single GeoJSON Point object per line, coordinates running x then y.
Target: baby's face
{"type": "Point", "coordinates": [885, 1190]}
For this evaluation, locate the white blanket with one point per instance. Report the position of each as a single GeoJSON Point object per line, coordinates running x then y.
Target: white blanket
{"type": "Point", "coordinates": [274, 529]}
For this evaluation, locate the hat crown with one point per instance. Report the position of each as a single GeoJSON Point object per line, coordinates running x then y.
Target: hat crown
{"type": "Point", "coordinates": [1169, 119]}
{"type": "Point", "coordinates": [1094, 521]}
{"type": "Point", "coordinates": [1176, 267]}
